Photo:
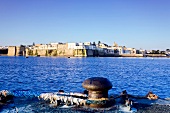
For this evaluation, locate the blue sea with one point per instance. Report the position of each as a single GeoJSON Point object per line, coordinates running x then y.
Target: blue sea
{"type": "Point", "coordinates": [50, 74]}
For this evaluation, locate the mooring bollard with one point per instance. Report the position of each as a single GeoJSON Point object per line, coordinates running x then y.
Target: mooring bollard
{"type": "Point", "coordinates": [98, 92]}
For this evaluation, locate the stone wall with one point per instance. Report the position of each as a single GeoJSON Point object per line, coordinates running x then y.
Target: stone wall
{"type": "Point", "coordinates": [80, 53]}
{"type": "Point", "coordinates": [155, 55]}
{"type": "Point", "coordinates": [61, 50]}
{"type": "Point", "coordinates": [41, 52]}
{"type": "Point", "coordinates": [11, 50]}
{"type": "Point", "coordinates": [20, 51]}
{"type": "Point", "coordinates": [16, 50]}
{"type": "Point", "coordinates": [131, 55]}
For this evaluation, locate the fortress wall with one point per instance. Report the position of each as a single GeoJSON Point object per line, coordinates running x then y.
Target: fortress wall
{"type": "Point", "coordinates": [11, 50]}
{"type": "Point", "coordinates": [41, 52]}
{"type": "Point", "coordinates": [155, 55]}
{"type": "Point", "coordinates": [61, 49]}
{"type": "Point", "coordinates": [26, 52]}
{"type": "Point", "coordinates": [131, 55]}
{"type": "Point", "coordinates": [80, 52]}
{"type": "Point", "coordinates": [62, 46]}
{"type": "Point", "coordinates": [69, 52]}
{"type": "Point", "coordinates": [20, 51]}
{"type": "Point", "coordinates": [60, 52]}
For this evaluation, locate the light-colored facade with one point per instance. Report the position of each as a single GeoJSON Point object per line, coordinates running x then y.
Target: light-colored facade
{"type": "Point", "coordinates": [74, 49]}
{"type": "Point", "coordinates": [72, 45]}
{"type": "Point", "coordinates": [11, 50]}
{"type": "Point", "coordinates": [51, 46]}
{"type": "Point", "coordinates": [87, 43]}
{"type": "Point", "coordinates": [111, 50]}
{"type": "Point", "coordinates": [102, 45]}
{"type": "Point", "coordinates": [16, 50]}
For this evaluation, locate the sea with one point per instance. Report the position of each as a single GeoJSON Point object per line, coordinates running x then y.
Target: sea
{"type": "Point", "coordinates": [38, 75]}
{"type": "Point", "coordinates": [27, 78]}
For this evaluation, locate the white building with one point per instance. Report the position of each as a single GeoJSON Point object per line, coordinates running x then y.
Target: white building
{"type": "Point", "coordinates": [119, 50]}
{"type": "Point", "coordinates": [90, 46]}
{"type": "Point", "coordinates": [102, 45]}
{"type": "Point", "coordinates": [87, 43]}
{"type": "Point", "coordinates": [51, 46]}
{"type": "Point", "coordinates": [110, 50]}
{"type": "Point", "coordinates": [81, 46]}
{"type": "Point", "coordinates": [72, 45]}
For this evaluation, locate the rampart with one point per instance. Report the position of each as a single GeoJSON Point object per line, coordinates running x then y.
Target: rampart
{"type": "Point", "coordinates": [11, 50]}
{"type": "Point", "coordinates": [131, 55]}
{"type": "Point", "coordinates": [155, 55]}
{"type": "Point", "coordinates": [16, 50]}
{"type": "Point", "coordinates": [61, 50]}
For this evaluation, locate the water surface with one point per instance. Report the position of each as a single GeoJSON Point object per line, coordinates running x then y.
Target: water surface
{"type": "Point", "coordinates": [49, 74]}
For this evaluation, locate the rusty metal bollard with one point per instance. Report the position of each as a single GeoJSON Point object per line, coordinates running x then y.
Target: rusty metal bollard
{"type": "Point", "coordinates": [98, 92]}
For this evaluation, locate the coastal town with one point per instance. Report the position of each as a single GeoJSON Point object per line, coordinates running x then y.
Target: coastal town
{"type": "Point", "coordinates": [86, 49]}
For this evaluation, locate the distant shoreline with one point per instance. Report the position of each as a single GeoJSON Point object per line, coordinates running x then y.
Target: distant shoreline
{"type": "Point", "coordinates": [123, 55]}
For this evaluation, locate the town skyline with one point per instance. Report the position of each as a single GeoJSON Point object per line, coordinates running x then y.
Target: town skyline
{"type": "Point", "coordinates": [138, 24]}
{"type": "Point", "coordinates": [114, 44]}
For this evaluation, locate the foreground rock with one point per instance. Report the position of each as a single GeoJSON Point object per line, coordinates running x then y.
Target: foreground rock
{"type": "Point", "coordinates": [5, 97]}
{"type": "Point", "coordinates": [143, 108]}
{"type": "Point", "coordinates": [23, 105]}
{"type": "Point", "coordinates": [47, 103]}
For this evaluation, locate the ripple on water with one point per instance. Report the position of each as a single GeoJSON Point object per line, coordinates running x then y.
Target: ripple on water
{"type": "Point", "coordinates": [136, 75]}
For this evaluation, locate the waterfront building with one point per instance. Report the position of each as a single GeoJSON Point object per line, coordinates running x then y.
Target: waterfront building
{"type": "Point", "coordinates": [91, 46]}
{"type": "Point", "coordinates": [52, 49]}
{"type": "Point", "coordinates": [16, 50]}
{"type": "Point", "coordinates": [87, 43]}
{"type": "Point", "coordinates": [102, 45]}
{"type": "Point", "coordinates": [46, 46]}
{"type": "Point", "coordinates": [111, 50]}
{"type": "Point", "coordinates": [129, 51]}
{"type": "Point", "coordinates": [74, 49]}
{"type": "Point", "coordinates": [118, 49]}
{"type": "Point", "coordinates": [72, 45]}
{"type": "Point", "coordinates": [83, 50]}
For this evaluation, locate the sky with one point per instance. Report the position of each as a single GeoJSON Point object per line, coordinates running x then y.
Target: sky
{"type": "Point", "coordinates": [132, 23]}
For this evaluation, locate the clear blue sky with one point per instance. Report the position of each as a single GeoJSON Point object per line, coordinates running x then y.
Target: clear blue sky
{"type": "Point", "coordinates": [131, 23]}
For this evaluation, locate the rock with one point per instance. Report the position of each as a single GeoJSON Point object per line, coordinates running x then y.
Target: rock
{"type": "Point", "coordinates": [5, 97]}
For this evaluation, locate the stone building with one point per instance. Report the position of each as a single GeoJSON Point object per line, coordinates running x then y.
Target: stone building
{"type": "Point", "coordinates": [11, 50]}
{"type": "Point", "coordinates": [16, 50]}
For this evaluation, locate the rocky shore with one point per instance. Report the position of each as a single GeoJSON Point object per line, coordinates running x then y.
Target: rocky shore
{"type": "Point", "coordinates": [24, 104]}
{"type": "Point", "coordinates": [142, 108]}
{"type": "Point", "coordinates": [35, 106]}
